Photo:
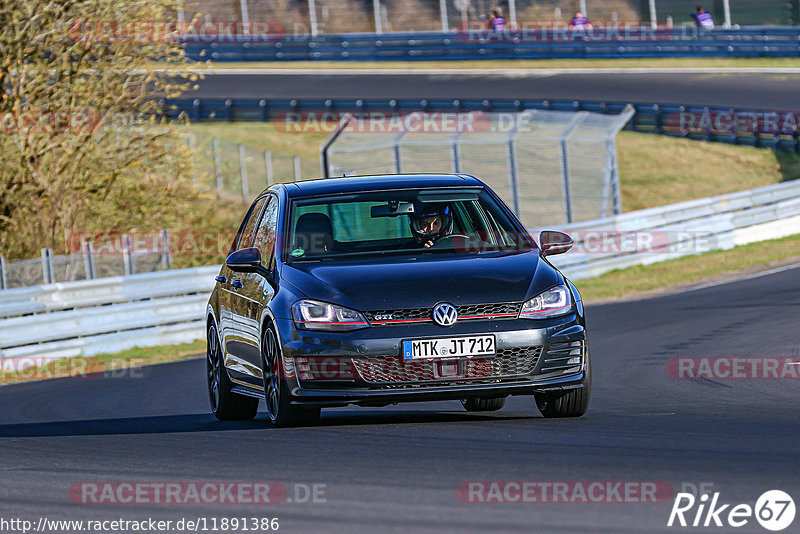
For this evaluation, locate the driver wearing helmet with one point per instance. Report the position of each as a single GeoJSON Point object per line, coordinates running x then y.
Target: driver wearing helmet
{"type": "Point", "coordinates": [430, 222]}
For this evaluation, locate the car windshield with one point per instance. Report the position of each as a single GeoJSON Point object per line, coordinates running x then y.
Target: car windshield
{"type": "Point", "coordinates": [410, 221]}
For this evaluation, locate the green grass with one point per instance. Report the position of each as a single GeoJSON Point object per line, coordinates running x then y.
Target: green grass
{"type": "Point", "coordinates": [263, 135]}
{"type": "Point", "coordinates": [690, 270]}
{"type": "Point", "coordinates": [656, 170]}
{"type": "Point", "coordinates": [79, 366]}
{"type": "Point", "coordinates": [663, 63]}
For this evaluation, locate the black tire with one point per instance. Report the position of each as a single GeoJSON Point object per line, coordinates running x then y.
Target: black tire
{"type": "Point", "coordinates": [570, 403]}
{"type": "Point", "coordinates": [280, 410]}
{"type": "Point", "coordinates": [225, 405]}
{"type": "Point", "coordinates": [481, 404]}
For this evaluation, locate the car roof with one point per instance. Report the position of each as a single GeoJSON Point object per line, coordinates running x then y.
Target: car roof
{"type": "Point", "coordinates": [377, 182]}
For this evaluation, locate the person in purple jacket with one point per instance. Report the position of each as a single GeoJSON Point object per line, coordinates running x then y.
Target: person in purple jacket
{"type": "Point", "coordinates": [703, 19]}
{"type": "Point", "coordinates": [497, 22]}
{"type": "Point", "coordinates": [580, 22]}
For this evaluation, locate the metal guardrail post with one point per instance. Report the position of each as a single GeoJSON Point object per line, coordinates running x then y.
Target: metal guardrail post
{"type": "Point", "coordinates": [297, 172]}
{"type": "Point", "coordinates": [166, 249]}
{"type": "Point", "coordinates": [127, 255]}
{"type": "Point", "coordinates": [47, 266]}
{"type": "Point", "coordinates": [243, 173]}
{"type": "Point", "coordinates": [217, 164]}
{"type": "Point", "coordinates": [443, 15]}
{"type": "Point", "coordinates": [88, 260]}
{"type": "Point", "coordinates": [3, 279]}
{"type": "Point", "coordinates": [268, 166]}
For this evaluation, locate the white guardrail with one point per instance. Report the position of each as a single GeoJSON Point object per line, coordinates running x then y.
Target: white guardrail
{"type": "Point", "coordinates": [108, 315]}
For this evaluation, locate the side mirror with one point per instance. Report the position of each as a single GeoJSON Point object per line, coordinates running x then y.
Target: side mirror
{"type": "Point", "coordinates": [552, 242]}
{"type": "Point", "coordinates": [246, 260]}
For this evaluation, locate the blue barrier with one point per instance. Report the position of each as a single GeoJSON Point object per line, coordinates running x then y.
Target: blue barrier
{"type": "Point", "coordinates": [759, 128]}
{"type": "Point", "coordinates": [639, 42]}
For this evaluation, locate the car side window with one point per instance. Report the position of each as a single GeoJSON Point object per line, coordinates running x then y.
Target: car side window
{"type": "Point", "coordinates": [267, 232]}
{"type": "Point", "coordinates": [245, 235]}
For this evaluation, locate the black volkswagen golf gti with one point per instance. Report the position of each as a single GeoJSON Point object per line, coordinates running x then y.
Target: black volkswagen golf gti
{"type": "Point", "coordinates": [375, 290]}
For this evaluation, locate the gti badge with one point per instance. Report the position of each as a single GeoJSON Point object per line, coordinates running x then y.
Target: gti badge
{"type": "Point", "coordinates": [445, 314]}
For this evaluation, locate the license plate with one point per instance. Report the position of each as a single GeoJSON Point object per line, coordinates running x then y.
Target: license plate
{"type": "Point", "coordinates": [449, 347]}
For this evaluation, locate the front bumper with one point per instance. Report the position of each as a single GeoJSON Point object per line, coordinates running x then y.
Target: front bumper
{"type": "Point", "coordinates": [534, 354]}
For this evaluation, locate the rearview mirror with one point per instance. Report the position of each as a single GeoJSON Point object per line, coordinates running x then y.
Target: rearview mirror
{"type": "Point", "coordinates": [552, 242]}
{"type": "Point", "coordinates": [246, 260]}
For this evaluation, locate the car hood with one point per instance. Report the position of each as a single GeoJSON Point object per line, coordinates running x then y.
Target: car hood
{"type": "Point", "coordinates": [422, 281]}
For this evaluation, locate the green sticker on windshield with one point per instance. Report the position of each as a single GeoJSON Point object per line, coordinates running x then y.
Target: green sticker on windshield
{"type": "Point", "coordinates": [296, 253]}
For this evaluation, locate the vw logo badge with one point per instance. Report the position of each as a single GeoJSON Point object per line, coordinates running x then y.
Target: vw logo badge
{"type": "Point", "coordinates": [445, 314]}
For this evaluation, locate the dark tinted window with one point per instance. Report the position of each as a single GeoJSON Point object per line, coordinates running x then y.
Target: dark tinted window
{"type": "Point", "coordinates": [267, 232]}
{"type": "Point", "coordinates": [245, 235]}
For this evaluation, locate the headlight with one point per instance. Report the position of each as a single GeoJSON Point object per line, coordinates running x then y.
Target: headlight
{"type": "Point", "coordinates": [551, 303]}
{"type": "Point", "coordinates": [314, 315]}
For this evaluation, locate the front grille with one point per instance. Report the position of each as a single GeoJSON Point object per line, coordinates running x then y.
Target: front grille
{"type": "Point", "coordinates": [508, 363]}
{"type": "Point", "coordinates": [555, 359]}
{"type": "Point", "coordinates": [501, 310]}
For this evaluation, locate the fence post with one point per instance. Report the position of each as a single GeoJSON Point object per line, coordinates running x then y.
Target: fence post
{"type": "Point", "coordinates": [580, 116]}
{"type": "Point", "coordinates": [512, 175]}
{"type": "Point", "coordinates": [312, 17]}
{"type": "Point", "coordinates": [217, 165]}
{"type": "Point", "coordinates": [268, 165]}
{"type": "Point", "coordinates": [565, 179]}
{"type": "Point", "coordinates": [376, 11]}
{"type": "Point", "coordinates": [166, 250]}
{"type": "Point", "coordinates": [243, 172]}
{"type": "Point", "coordinates": [127, 255]}
{"type": "Point", "coordinates": [296, 168]}
{"type": "Point", "coordinates": [47, 266]}
{"type": "Point", "coordinates": [3, 279]}
{"type": "Point", "coordinates": [88, 260]}
{"type": "Point", "coordinates": [727, 6]}
{"type": "Point", "coordinates": [245, 17]}
{"type": "Point", "coordinates": [653, 14]}
{"type": "Point", "coordinates": [443, 15]}
{"type": "Point", "coordinates": [512, 13]}
{"type": "Point", "coordinates": [455, 157]}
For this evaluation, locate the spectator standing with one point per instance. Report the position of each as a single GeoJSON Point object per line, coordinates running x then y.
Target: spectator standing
{"type": "Point", "coordinates": [703, 19]}
{"type": "Point", "coordinates": [497, 22]}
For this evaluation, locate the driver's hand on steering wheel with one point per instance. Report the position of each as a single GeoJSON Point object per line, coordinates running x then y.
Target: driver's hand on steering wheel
{"type": "Point", "coordinates": [428, 243]}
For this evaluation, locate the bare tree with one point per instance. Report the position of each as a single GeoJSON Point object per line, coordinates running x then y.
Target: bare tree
{"type": "Point", "coordinates": [82, 147]}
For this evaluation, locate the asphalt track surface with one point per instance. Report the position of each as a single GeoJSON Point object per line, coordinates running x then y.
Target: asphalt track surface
{"type": "Point", "coordinates": [397, 468]}
{"type": "Point", "coordinates": [770, 91]}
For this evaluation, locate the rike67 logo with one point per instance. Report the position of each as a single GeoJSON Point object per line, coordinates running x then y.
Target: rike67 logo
{"type": "Point", "coordinates": [774, 510]}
